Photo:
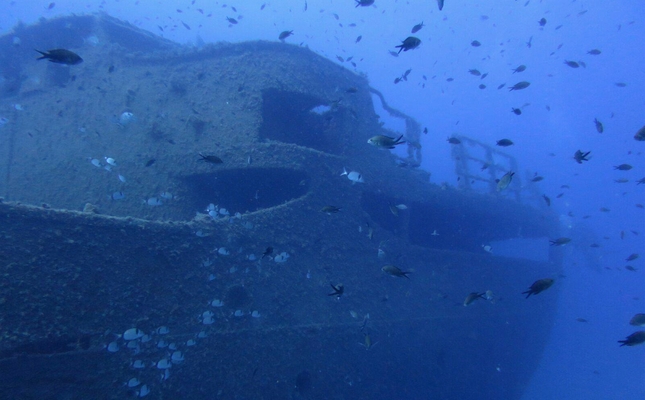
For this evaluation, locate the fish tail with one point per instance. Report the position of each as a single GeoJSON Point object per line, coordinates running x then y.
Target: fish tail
{"type": "Point", "coordinates": [44, 55]}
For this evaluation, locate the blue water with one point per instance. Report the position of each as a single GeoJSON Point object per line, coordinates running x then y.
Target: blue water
{"type": "Point", "coordinates": [582, 359]}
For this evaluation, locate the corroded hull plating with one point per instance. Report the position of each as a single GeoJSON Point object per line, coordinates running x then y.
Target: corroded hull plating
{"type": "Point", "coordinates": [72, 280]}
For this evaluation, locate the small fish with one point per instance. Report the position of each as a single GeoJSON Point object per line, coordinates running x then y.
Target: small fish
{"type": "Point", "coordinates": [330, 209]}
{"type": "Point", "coordinates": [394, 210]}
{"type": "Point", "coordinates": [338, 290]}
{"type": "Point", "coordinates": [519, 86]}
{"type": "Point", "coordinates": [547, 200]}
{"type": "Point", "coordinates": [581, 320]}
{"type": "Point", "coordinates": [401, 206]}
{"type": "Point", "coordinates": [364, 3]}
{"type": "Point", "coordinates": [516, 111]}
{"type": "Point", "coordinates": [117, 196]}
{"type": "Point", "coordinates": [623, 167]}
{"type": "Point", "coordinates": [594, 52]}
{"type": "Point", "coordinates": [210, 159]}
{"type": "Point", "coordinates": [539, 286]}
{"type": "Point", "coordinates": [630, 268]}
{"type": "Point", "coordinates": [385, 142]}
{"type": "Point", "coordinates": [153, 201]}
{"type": "Point", "coordinates": [599, 126]}
{"type": "Point", "coordinates": [640, 135]}
{"type": "Point", "coordinates": [632, 257]}
{"type": "Point", "coordinates": [638, 320]}
{"type": "Point", "coordinates": [580, 156]}
{"type": "Point", "coordinates": [353, 176]}
{"type": "Point", "coordinates": [440, 4]}
{"type": "Point", "coordinates": [358, 39]}
{"type": "Point", "coordinates": [520, 68]}
{"type": "Point", "coordinates": [572, 64]}
{"type": "Point", "coordinates": [395, 271]}
{"type": "Point", "coordinates": [505, 142]}
{"type": "Point", "coordinates": [505, 181]}
{"type": "Point", "coordinates": [267, 252]}
{"type": "Point", "coordinates": [474, 72]}
{"type": "Point", "coordinates": [633, 339]}
{"type": "Point", "coordinates": [410, 43]}
{"type": "Point", "coordinates": [620, 84]}
{"type": "Point", "coordinates": [60, 56]}
{"type": "Point", "coordinates": [434, 233]}
{"type": "Point", "coordinates": [482, 86]}
{"type": "Point", "coordinates": [542, 21]}
{"type": "Point", "coordinates": [475, 43]}
{"type": "Point", "coordinates": [368, 341]}
{"type": "Point", "coordinates": [285, 34]}
{"type": "Point", "coordinates": [453, 140]}
{"type": "Point", "coordinates": [487, 248]}
{"type": "Point", "coordinates": [472, 297]}
{"type": "Point", "coordinates": [231, 20]}
{"type": "Point", "coordinates": [560, 241]}
{"type": "Point", "coordinates": [537, 178]}
{"type": "Point", "coordinates": [417, 27]}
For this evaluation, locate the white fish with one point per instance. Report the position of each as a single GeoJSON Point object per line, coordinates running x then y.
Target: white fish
{"type": "Point", "coordinates": [282, 257]}
{"type": "Point", "coordinates": [212, 277]}
{"type": "Point", "coordinates": [18, 107]}
{"type": "Point", "coordinates": [217, 303]}
{"type": "Point", "coordinates": [144, 391]}
{"type": "Point", "coordinates": [165, 375]}
{"type": "Point", "coordinates": [133, 344]}
{"type": "Point", "coordinates": [118, 195]}
{"type": "Point", "coordinates": [380, 253]}
{"type": "Point", "coordinates": [138, 364]}
{"type": "Point", "coordinates": [434, 233]}
{"type": "Point", "coordinates": [133, 382]}
{"type": "Point", "coordinates": [122, 178]}
{"type": "Point", "coordinates": [202, 335]}
{"type": "Point", "coordinates": [172, 346]}
{"type": "Point", "coordinates": [153, 201]}
{"type": "Point", "coordinates": [110, 161]}
{"type": "Point", "coordinates": [211, 207]}
{"type": "Point", "coordinates": [487, 248]}
{"type": "Point", "coordinates": [238, 313]}
{"type": "Point", "coordinates": [208, 321]}
{"type": "Point", "coordinates": [207, 262]}
{"type": "Point", "coordinates": [108, 168]}
{"type": "Point", "coordinates": [162, 330]}
{"type": "Point", "coordinates": [208, 314]}
{"type": "Point", "coordinates": [353, 176]}
{"type": "Point", "coordinates": [164, 364]}
{"type": "Point", "coordinates": [232, 270]}
{"type": "Point", "coordinates": [401, 206]}
{"type": "Point", "coordinates": [191, 342]}
{"type": "Point", "coordinates": [95, 162]}
{"type": "Point", "coordinates": [213, 214]}
{"type": "Point", "coordinates": [251, 257]}
{"type": "Point", "coordinates": [353, 314]}
{"type": "Point", "coordinates": [3, 121]}
{"type": "Point", "coordinates": [177, 357]}
{"type": "Point", "coordinates": [200, 233]}
{"type": "Point", "coordinates": [255, 314]}
{"type": "Point", "coordinates": [126, 118]}
{"type": "Point", "coordinates": [166, 195]}
{"type": "Point", "coordinates": [223, 211]}
{"type": "Point", "coordinates": [113, 347]}
{"type": "Point", "coordinates": [146, 338]}
{"type": "Point", "coordinates": [238, 215]}
{"type": "Point", "coordinates": [222, 251]}
{"type": "Point", "coordinates": [162, 344]}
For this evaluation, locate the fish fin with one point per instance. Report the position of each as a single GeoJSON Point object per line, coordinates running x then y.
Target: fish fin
{"type": "Point", "coordinates": [529, 293]}
{"type": "Point", "coordinates": [44, 55]}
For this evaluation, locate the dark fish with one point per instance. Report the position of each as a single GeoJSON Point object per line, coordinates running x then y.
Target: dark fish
{"type": "Point", "coordinates": [231, 20]}
{"type": "Point", "coordinates": [519, 86]}
{"type": "Point", "coordinates": [528, 44]}
{"type": "Point", "coordinates": [640, 135]}
{"type": "Point", "coordinates": [633, 339]}
{"type": "Point", "coordinates": [453, 140]}
{"type": "Point", "coordinates": [475, 43]}
{"type": "Point", "coordinates": [358, 39]}
{"type": "Point", "coordinates": [51, 5]}
{"type": "Point", "coordinates": [210, 159]}
{"type": "Point", "coordinates": [638, 320]}
{"type": "Point", "coordinates": [338, 290]}
{"type": "Point", "coordinates": [352, 89]}
{"type": "Point", "coordinates": [579, 156]}
{"type": "Point", "coordinates": [330, 209]}
{"type": "Point", "coordinates": [599, 126]}
{"type": "Point", "coordinates": [630, 268]}
{"type": "Point", "coordinates": [542, 21]}
{"type": "Point", "coordinates": [504, 142]}
{"type": "Point", "coordinates": [516, 111]}
{"type": "Point", "coordinates": [572, 64]}
{"type": "Point", "coordinates": [474, 72]}
{"type": "Point", "coordinates": [150, 162]}
{"type": "Point", "coordinates": [620, 84]}
{"type": "Point", "coordinates": [623, 167]}
{"type": "Point", "coordinates": [642, 180]}
{"type": "Point", "coordinates": [484, 75]}
{"type": "Point", "coordinates": [594, 52]}
{"type": "Point", "coordinates": [539, 286]}
{"type": "Point", "coordinates": [581, 320]}
{"type": "Point", "coordinates": [410, 43]}
{"type": "Point", "coordinates": [61, 56]}
{"type": "Point", "coordinates": [417, 27]}
{"type": "Point", "coordinates": [185, 25]}
{"type": "Point", "coordinates": [547, 200]}
{"type": "Point", "coordinates": [560, 241]}
{"type": "Point", "coordinates": [501, 86]}
{"type": "Point", "coordinates": [440, 4]}
{"type": "Point", "coordinates": [482, 86]}
{"type": "Point", "coordinates": [425, 132]}
{"type": "Point", "coordinates": [395, 271]}
{"type": "Point", "coordinates": [632, 257]}
{"type": "Point", "coordinates": [521, 68]}
{"type": "Point", "coordinates": [285, 34]}
{"type": "Point", "coordinates": [364, 3]}
{"type": "Point", "coordinates": [267, 252]}
{"type": "Point", "coordinates": [472, 297]}
{"type": "Point", "coordinates": [537, 178]}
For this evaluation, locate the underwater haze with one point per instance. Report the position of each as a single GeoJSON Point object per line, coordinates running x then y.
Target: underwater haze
{"type": "Point", "coordinates": [583, 63]}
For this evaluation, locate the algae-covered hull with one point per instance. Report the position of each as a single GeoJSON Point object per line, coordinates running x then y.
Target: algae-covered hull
{"type": "Point", "coordinates": [72, 281]}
